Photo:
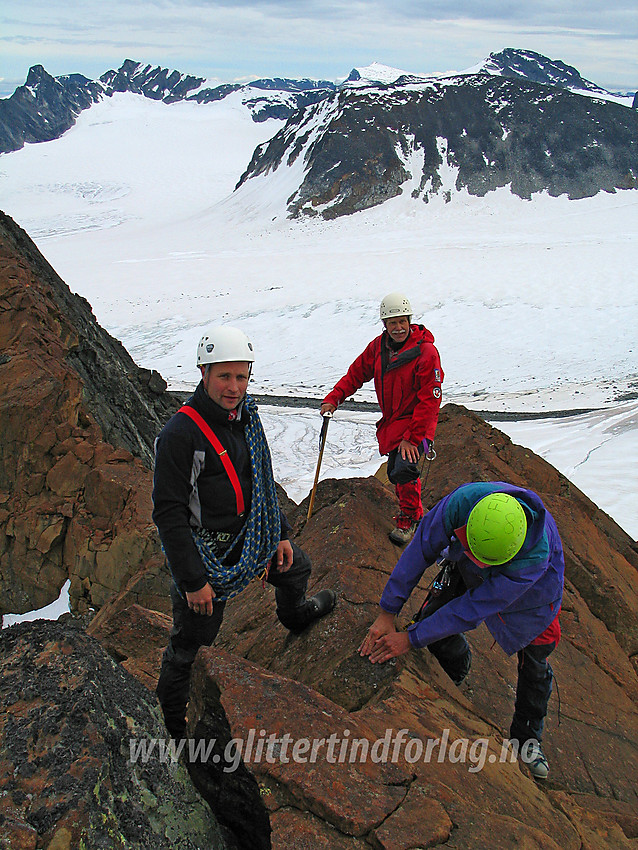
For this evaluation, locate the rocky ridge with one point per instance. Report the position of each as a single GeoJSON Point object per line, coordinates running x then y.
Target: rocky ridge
{"type": "Point", "coordinates": [78, 418]}
{"type": "Point", "coordinates": [75, 505]}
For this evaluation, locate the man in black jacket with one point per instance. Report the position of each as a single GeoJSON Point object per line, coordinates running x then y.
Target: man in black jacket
{"type": "Point", "coordinates": [216, 509]}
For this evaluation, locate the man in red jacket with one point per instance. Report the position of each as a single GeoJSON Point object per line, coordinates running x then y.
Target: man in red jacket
{"type": "Point", "coordinates": [407, 376]}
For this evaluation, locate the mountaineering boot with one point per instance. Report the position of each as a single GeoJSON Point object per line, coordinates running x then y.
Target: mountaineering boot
{"type": "Point", "coordinates": [404, 531]}
{"type": "Point", "coordinates": [534, 759]}
{"type": "Point", "coordinates": [317, 606]}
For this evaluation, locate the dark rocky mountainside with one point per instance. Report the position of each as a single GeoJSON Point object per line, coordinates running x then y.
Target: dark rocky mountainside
{"type": "Point", "coordinates": [44, 108]}
{"type": "Point", "coordinates": [476, 132]}
{"type": "Point", "coordinates": [74, 505]}
{"type": "Point", "coordinates": [536, 68]}
{"type": "Point", "coordinates": [128, 402]}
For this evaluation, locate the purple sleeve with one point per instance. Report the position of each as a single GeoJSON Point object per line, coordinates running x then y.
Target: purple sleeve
{"type": "Point", "coordinates": [496, 593]}
{"type": "Point", "coordinates": [430, 540]}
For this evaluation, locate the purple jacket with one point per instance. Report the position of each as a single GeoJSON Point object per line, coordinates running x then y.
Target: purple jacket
{"type": "Point", "coordinates": [517, 601]}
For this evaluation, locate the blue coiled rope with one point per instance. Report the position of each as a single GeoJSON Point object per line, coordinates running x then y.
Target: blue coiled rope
{"type": "Point", "coordinates": [262, 529]}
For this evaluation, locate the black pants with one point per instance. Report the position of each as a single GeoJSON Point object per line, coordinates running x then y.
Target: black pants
{"type": "Point", "coordinates": [534, 685]}
{"type": "Point", "coordinates": [190, 631]}
{"type": "Point", "coordinates": [533, 690]}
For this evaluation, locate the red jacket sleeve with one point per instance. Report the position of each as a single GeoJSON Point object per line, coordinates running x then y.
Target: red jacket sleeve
{"type": "Point", "coordinates": [428, 379]}
{"type": "Point", "coordinates": [361, 371]}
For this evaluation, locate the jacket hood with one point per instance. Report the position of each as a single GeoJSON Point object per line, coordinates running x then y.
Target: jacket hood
{"type": "Point", "coordinates": [421, 333]}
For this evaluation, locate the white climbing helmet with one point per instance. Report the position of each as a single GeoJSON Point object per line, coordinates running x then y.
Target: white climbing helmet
{"type": "Point", "coordinates": [393, 305]}
{"type": "Point", "coordinates": [224, 345]}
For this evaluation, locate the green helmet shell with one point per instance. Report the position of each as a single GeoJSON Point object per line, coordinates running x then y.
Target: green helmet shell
{"type": "Point", "coordinates": [496, 529]}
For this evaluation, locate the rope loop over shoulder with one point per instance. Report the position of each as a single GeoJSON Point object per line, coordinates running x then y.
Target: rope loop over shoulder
{"type": "Point", "coordinates": [262, 530]}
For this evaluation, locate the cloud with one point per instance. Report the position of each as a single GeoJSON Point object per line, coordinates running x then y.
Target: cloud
{"type": "Point", "coordinates": [234, 38]}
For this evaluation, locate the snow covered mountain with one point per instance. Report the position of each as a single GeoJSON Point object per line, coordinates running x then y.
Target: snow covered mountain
{"type": "Point", "coordinates": [518, 119]}
{"type": "Point", "coordinates": [536, 68]}
{"type": "Point", "coordinates": [476, 132]}
{"type": "Point", "coordinates": [45, 107]}
{"type": "Point", "coordinates": [511, 63]}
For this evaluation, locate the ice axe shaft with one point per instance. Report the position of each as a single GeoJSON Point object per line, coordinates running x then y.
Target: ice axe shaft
{"type": "Point", "coordinates": [322, 444]}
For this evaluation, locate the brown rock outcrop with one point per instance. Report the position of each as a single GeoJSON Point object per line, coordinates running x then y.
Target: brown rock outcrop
{"type": "Point", "coordinates": [77, 420]}
{"type": "Point", "coordinates": [316, 684]}
{"type": "Point", "coordinates": [74, 410]}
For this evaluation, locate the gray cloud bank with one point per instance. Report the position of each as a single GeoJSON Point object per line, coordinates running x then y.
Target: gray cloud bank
{"type": "Point", "coordinates": [233, 39]}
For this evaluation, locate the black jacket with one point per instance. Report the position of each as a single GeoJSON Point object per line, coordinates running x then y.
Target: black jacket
{"type": "Point", "coordinates": [191, 488]}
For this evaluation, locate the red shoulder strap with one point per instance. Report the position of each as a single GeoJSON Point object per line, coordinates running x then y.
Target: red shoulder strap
{"type": "Point", "coordinates": [208, 432]}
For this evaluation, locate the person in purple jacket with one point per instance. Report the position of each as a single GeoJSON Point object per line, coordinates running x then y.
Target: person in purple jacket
{"type": "Point", "coordinates": [501, 562]}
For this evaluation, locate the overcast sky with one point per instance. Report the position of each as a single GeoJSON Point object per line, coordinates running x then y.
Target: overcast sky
{"type": "Point", "coordinates": [239, 39]}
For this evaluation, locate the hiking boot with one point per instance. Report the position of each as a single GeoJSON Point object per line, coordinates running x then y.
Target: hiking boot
{"type": "Point", "coordinates": [317, 606]}
{"type": "Point", "coordinates": [532, 755]}
{"type": "Point", "coordinates": [404, 531]}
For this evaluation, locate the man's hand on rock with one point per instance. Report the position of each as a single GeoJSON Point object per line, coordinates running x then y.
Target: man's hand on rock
{"type": "Point", "coordinates": [383, 641]}
{"type": "Point", "coordinates": [390, 646]}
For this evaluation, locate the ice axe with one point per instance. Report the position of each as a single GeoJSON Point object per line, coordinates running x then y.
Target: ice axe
{"type": "Point", "coordinates": [322, 444]}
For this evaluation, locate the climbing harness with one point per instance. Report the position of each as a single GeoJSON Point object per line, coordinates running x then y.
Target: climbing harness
{"type": "Point", "coordinates": [440, 583]}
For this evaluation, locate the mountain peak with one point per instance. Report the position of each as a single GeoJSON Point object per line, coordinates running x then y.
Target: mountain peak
{"type": "Point", "coordinates": [377, 72]}
{"type": "Point", "coordinates": [36, 75]}
{"type": "Point", "coordinates": [527, 64]}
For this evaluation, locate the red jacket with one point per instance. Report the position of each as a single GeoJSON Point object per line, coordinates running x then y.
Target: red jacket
{"type": "Point", "coordinates": [407, 383]}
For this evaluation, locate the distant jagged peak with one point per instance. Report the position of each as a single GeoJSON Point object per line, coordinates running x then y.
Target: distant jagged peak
{"type": "Point", "coordinates": [38, 78]}
{"type": "Point", "coordinates": [152, 81]}
{"type": "Point", "coordinates": [36, 74]}
{"type": "Point", "coordinates": [131, 69]}
{"type": "Point", "coordinates": [529, 65]}
{"type": "Point", "coordinates": [145, 76]}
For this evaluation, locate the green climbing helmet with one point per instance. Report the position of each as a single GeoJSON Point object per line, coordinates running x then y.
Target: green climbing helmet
{"type": "Point", "coordinates": [496, 529]}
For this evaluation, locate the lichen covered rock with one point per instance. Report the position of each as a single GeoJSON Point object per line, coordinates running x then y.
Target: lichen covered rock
{"type": "Point", "coordinates": [78, 766]}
